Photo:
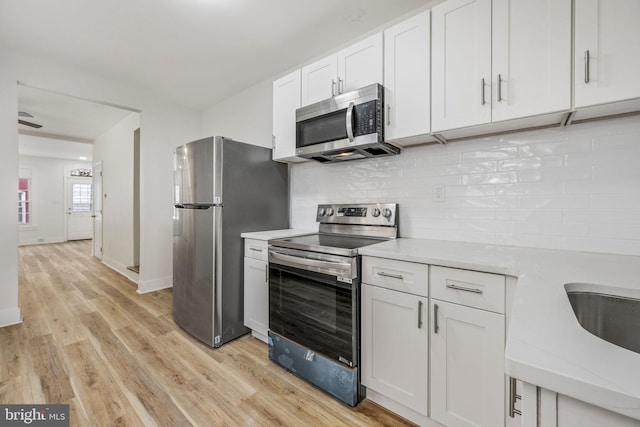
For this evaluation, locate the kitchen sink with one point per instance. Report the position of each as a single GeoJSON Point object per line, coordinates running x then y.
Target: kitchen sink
{"type": "Point", "coordinates": [610, 313]}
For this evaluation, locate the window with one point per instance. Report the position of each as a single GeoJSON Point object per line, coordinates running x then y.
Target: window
{"type": "Point", "coordinates": [24, 202]}
{"type": "Point", "coordinates": [82, 198]}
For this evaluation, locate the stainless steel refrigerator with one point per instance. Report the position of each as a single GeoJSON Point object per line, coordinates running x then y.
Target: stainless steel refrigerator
{"type": "Point", "coordinates": [222, 188]}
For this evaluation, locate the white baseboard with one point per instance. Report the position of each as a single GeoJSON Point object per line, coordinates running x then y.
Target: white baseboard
{"type": "Point", "coordinates": [10, 316]}
{"type": "Point", "coordinates": [146, 286]}
{"type": "Point", "coordinates": [120, 268]}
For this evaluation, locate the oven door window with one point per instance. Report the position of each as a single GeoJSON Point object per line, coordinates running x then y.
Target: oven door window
{"type": "Point", "coordinates": [314, 310]}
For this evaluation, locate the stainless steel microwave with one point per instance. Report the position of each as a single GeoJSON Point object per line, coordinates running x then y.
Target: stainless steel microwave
{"type": "Point", "coordinates": [346, 127]}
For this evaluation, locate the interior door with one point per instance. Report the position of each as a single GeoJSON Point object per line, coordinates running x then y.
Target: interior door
{"type": "Point", "coordinates": [97, 210]}
{"type": "Point", "coordinates": [79, 208]}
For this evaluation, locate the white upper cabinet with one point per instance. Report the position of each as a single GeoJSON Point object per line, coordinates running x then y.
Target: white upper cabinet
{"type": "Point", "coordinates": [286, 99]}
{"type": "Point", "coordinates": [607, 51]}
{"type": "Point", "coordinates": [351, 68]}
{"type": "Point", "coordinates": [320, 80]}
{"type": "Point", "coordinates": [461, 64]}
{"type": "Point", "coordinates": [494, 61]}
{"type": "Point", "coordinates": [531, 70]}
{"type": "Point", "coordinates": [360, 64]}
{"type": "Point", "coordinates": [407, 80]}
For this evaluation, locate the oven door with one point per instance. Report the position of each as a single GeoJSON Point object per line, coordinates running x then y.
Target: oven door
{"type": "Point", "coordinates": [317, 310]}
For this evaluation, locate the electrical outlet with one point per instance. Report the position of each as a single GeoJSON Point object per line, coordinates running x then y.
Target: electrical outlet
{"type": "Point", "coordinates": [438, 193]}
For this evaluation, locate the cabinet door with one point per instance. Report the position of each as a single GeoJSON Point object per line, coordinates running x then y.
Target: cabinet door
{"type": "Point", "coordinates": [395, 346]}
{"type": "Point", "coordinates": [461, 64]}
{"type": "Point", "coordinates": [360, 64]}
{"type": "Point", "coordinates": [319, 80]}
{"type": "Point", "coordinates": [575, 413]}
{"type": "Point", "coordinates": [256, 295]}
{"type": "Point", "coordinates": [467, 366]}
{"type": "Point", "coordinates": [407, 78]}
{"type": "Point", "coordinates": [286, 99]}
{"type": "Point", "coordinates": [608, 32]}
{"type": "Point", "coordinates": [531, 58]}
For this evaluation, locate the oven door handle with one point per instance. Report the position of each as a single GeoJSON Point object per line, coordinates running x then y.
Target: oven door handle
{"type": "Point", "coordinates": [308, 261]}
{"type": "Point", "coordinates": [324, 266]}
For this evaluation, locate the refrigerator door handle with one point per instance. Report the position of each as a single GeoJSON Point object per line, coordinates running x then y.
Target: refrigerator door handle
{"type": "Point", "coordinates": [217, 274]}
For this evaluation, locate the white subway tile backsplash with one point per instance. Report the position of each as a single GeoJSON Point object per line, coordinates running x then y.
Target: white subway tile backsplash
{"type": "Point", "coordinates": [572, 188]}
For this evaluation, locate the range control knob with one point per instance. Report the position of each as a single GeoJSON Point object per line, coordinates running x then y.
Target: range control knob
{"type": "Point", "coordinates": [386, 213]}
{"type": "Point", "coordinates": [329, 211]}
{"type": "Point", "coordinates": [375, 212]}
{"type": "Point", "coordinates": [321, 211]}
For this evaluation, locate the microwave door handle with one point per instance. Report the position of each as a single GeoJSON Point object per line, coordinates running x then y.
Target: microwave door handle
{"type": "Point", "coordinates": [350, 121]}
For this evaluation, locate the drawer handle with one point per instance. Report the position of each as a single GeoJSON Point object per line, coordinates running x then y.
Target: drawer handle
{"type": "Point", "coordinates": [255, 249]}
{"type": "Point", "coordinates": [419, 314]}
{"type": "Point", "coordinates": [463, 288]}
{"type": "Point", "coordinates": [393, 276]}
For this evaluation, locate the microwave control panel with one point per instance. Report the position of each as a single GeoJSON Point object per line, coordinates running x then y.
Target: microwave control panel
{"type": "Point", "coordinates": [367, 118]}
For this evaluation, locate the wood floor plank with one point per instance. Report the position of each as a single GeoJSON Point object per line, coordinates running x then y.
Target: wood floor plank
{"type": "Point", "coordinates": [99, 391]}
{"type": "Point", "coordinates": [49, 369]}
{"type": "Point", "coordinates": [137, 377]}
{"type": "Point", "coordinates": [117, 358]}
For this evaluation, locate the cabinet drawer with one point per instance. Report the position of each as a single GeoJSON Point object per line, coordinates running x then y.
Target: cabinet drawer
{"type": "Point", "coordinates": [400, 276]}
{"type": "Point", "coordinates": [257, 249]}
{"type": "Point", "coordinates": [470, 288]}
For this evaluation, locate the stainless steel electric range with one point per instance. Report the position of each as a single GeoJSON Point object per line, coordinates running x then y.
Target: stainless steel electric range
{"type": "Point", "coordinates": [314, 296]}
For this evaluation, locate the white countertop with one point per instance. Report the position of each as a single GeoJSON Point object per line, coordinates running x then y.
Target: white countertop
{"type": "Point", "coordinates": [546, 345]}
{"type": "Point", "coordinates": [276, 234]}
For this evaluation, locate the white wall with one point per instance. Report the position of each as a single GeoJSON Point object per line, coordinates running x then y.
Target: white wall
{"type": "Point", "coordinates": [575, 188]}
{"type": "Point", "coordinates": [47, 198]}
{"type": "Point", "coordinates": [9, 309]}
{"type": "Point", "coordinates": [245, 117]}
{"type": "Point", "coordinates": [114, 149]}
{"type": "Point", "coordinates": [164, 125]}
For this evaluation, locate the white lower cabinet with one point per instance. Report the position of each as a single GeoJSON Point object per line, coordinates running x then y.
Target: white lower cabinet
{"type": "Point", "coordinates": [575, 413]}
{"type": "Point", "coordinates": [395, 346]}
{"type": "Point", "coordinates": [256, 288]}
{"type": "Point", "coordinates": [467, 347]}
{"type": "Point", "coordinates": [467, 366]}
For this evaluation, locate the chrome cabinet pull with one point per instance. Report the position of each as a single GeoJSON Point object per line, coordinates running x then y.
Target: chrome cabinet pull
{"type": "Point", "coordinates": [482, 92]}
{"type": "Point", "coordinates": [266, 273]}
{"type": "Point", "coordinates": [499, 88]}
{"type": "Point", "coordinates": [586, 66]}
{"type": "Point", "coordinates": [273, 141]}
{"type": "Point", "coordinates": [393, 276]}
{"type": "Point", "coordinates": [435, 319]}
{"type": "Point", "coordinates": [513, 396]}
{"type": "Point", "coordinates": [463, 288]}
{"type": "Point", "coordinates": [419, 314]}
{"type": "Point", "coordinates": [333, 87]}
{"type": "Point", "coordinates": [255, 249]}
{"type": "Point", "coordinates": [350, 109]}
{"type": "Point", "coordinates": [340, 85]}
{"type": "Point", "coordinates": [388, 114]}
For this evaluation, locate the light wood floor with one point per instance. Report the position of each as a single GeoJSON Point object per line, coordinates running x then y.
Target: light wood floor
{"type": "Point", "coordinates": [117, 358]}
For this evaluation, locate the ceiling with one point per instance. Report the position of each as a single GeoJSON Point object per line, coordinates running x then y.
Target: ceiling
{"type": "Point", "coordinates": [65, 117]}
{"type": "Point", "coordinates": [194, 52]}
